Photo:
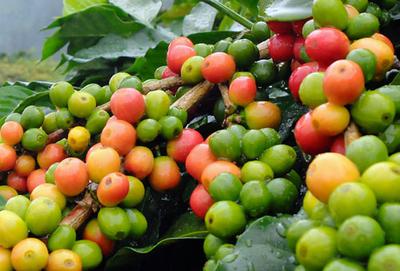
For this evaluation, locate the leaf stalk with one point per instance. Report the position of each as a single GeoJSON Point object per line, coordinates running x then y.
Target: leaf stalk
{"type": "Point", "coordinates": [229, 12]}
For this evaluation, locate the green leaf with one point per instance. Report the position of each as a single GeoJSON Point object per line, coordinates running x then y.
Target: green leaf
{"type": "Point", "coordinates": [15, 98]}
{"type": "Point", "coordinates": [178, 10]}
{"type": "Point", "coordinates": [84, 28]}
{"type": "Point", "coordinates": [250, 4]}
{"type": "Point", "coordinates": [96, 21]}
{"type": "Point", "coordinates": [101, 68]}
{"type": "Point", "coordinates": [186, 227]}
{"type": "Point", "coordinates": [39, 99]}
{"type": "Point", "coordinates": [11, 96]}
{"type": "Point", "coordinates": [145, 66]}
{"type": "Point", "coordinates": [291, 110]}
{"type": "Point", "coordinates": [285, 10]}
{"type": "Point", "coordinates": [72, 6]}
{"type": "Point", "coordinates": [396, 80]}
{"type": "Point", "coordinates": [262, 245]}
{"type": "Point", "coordinates": [53, 44]}
{"type": "Point", "coordinates": [114, 46]}
{"type": "Point", "coordinates": [227, 22]}
{"type": "Point", "coordinates": [36, 86]}
{"type": "Point", "coordinates": [143, 11]}
{"type": "Point", "coordinates": [78, 43]}
{"type": "Point", "coordinates": [204, 124]}
{"type": "Point", "coordinates": [200, 19]}
{"type": "Point", "coordinates": [211, 37]}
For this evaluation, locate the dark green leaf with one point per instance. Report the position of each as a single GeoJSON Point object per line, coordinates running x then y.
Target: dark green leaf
{"type": "Point", "coordinates": [83, 28]}
{"type": "Point", "coordinates": [200, 19]}
{"type": "Point", "coordinates": [37, 86]}
{"type": "Point", "coordinates": [211, 37]}
{"type": "Point", "coordinates": [72, 6]}
{"type": "Point", "coordinates": [79, 43]}
{"type": "Point", "coordinates": [15, 98]}
{"type": "Point", "coordinates": [96, 21]}
{"type": "Point", "coordinates": [186, 227]}
{"type": "Point", "coordinates": [204, 124]}
{"type": "Point", "coordinates": [114, 46]}
{"type": "Point", "coordinates": [200, 121]}
{"type": "Point", "coordinates": [396, 80]}
{"type": "Point", "coordinates": [143, 11]}
{"type": "Point", "coordinates": [285, 10]}
{"type": "Point", "coordinates": [262, 247]}
{"type": "Point", "coordinates": [11, 96]}
{"type": "Point", "coordinates": [145, 66]}
{"type": "Point", "coordinates": [39, 99]}
{"type": "Point", "coordinates": [80, 70]}
{"type": "Point", "coordinates": [291, 110]}
{"type": "Point", "coordinates": [52, 44]}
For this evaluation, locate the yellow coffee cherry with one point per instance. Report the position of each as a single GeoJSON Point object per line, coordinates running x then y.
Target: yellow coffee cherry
{"type": "Point", "coordinates": [78, 138]}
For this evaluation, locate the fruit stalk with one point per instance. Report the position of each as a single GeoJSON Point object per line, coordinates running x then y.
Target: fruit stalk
{"type": "Point", "coordinates": [352, 133]}
{"type": "Point", "coordinates": [166, 83]}
{"type": "Point", "coordinates": [55, 136]}
{"type": "Point", "coordinates": [105, 107]}
{"type": "Point", "coordinates": [229, 106]}
{"type": "Point", "coordinates": [193, 96]}
{"type": "Point", "coordinates": [263, 49]}
{"type": "Point", "coordinates": [232, 119]}
{"type": "Point", "coordinates": [81, 212]}
{"type": "Point", "coordinates": [230, 13]}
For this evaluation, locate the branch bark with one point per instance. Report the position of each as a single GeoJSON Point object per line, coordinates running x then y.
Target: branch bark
{"type": "Point", "coordinates": [55, 136]}
{"type": "Point", "coordinates": [229, 106]}
{"type": "Point", "coordinates": [263, 49]}
{"type": "Point", "coordinates": [105, 107]}
{"type": "Point", "coordinates": [81, 212]}
{"type": "Point", "coordinates": [193, 96]}
{"type": "Point", "coordinates": [165, 84]}
{"type": "Point", "coordinates": [352, 133]}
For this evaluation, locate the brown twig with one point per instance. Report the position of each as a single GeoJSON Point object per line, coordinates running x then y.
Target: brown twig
{"type": "Point", "coordinates": [352, 133]}
{"type": "Point", "coordinates": [229, 106]}
{"type": "Point", "coordinates": [263, 49]}
{"type": "Point", "coordinates": [232, 119]}
{"type": "Point", "coordinates": [55, 136]}
{"type": "Point", "coordinates": [165, 84]}
{"type": "Point", "coordinates": [81, 212]}
{"type": "Point", "coordinates": [193, 96]}
{"type": "Point", "coordinates": [105, 107]}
